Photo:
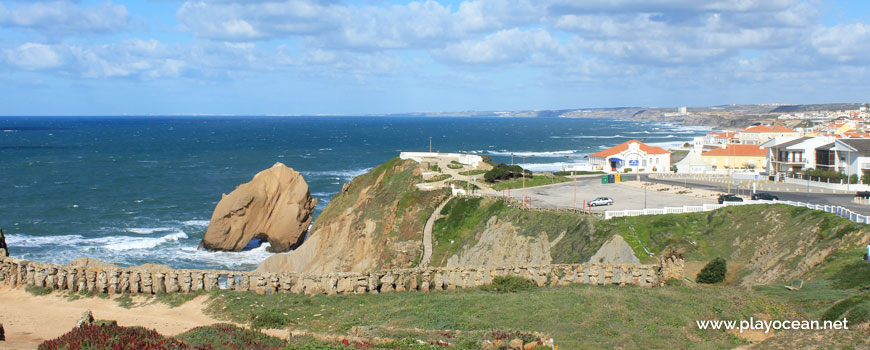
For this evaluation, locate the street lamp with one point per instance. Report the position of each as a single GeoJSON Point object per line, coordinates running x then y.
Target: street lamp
{"type": "Point", "coordinates": [575, 181]}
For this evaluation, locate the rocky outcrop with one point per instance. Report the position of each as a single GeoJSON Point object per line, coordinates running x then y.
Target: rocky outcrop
{"type": "Point", "coordinates": [91, 263]}
{"type": "Point", "coordinates": [500, 244]}
{"type": "Point", "coordinates": [615, 251]}
{"type": "Point", "coordinates": [375, 222]}
{"type": "Point", "coordinates": [4, 250]}
{"type": "Point", "coordinates": [275, 207]}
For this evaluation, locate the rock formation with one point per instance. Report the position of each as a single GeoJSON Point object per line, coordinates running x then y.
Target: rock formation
{"type": "Point", "coordinates": [615, 251]}
{"type": "Point", "coordinates": [373, 223]}
{"type": "Point", "coordinates": [4, 250]}
{"type": "Point", "coordinates": [275, 207]}
{"type": "Point", "coordinates": [91, 263]}
{"type": "Point", "coordinates": [499, 244]}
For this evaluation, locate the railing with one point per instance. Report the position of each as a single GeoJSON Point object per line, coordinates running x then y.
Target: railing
{"type": "Point", "coordinates": [836, 210]}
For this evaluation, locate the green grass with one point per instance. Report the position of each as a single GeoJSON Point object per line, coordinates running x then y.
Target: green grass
{"type": "Point", "coordinates": [538, 180]}
{"type": "Point", "coordinates": [464, 217]}
{"type": "Point", "coordinates": [578, 316]}
{"type": "Point", "coordinates": [455, 166]}
{"type": "Point", "coordinates": [440, 177]}
{"type": "Point", "coordinates": [230, 337]}
{"type": "Point", "coordinates": [569, 173]}
{"type": "Point", "coordinates": [38, 291]}
{"type": "Point", "coordinates": [472, 172]}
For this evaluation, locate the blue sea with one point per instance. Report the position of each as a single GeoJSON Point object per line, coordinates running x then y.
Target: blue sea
{"type": "Point", "coordinates": [134, 190]}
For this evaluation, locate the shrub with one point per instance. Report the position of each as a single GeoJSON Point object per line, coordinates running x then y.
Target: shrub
{"type": "Point", "coordinates": [509, 284]}
{"type": "Point", "coordinates": [114, 337]}
{"type": "Point", "coordinates": [505, 172]}
{"type": "Point", "coordinates": [713, 272]}
{"type": "Point", "coordinates": [230, 337]}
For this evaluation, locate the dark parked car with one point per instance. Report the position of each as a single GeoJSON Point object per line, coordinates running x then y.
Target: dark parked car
{"type": "Point", "coordinates": [729, 198]}
{"type": "Point", "coordinates": [764, 196]}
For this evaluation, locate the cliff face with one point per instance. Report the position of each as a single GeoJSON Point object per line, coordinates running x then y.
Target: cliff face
{"type": "Point", "coordinates": [275, 206]}
{"type": "Point", "coordinates": [375, 222]}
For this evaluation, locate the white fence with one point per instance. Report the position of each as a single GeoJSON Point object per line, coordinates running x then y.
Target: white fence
{"type": "Point", "coordinates": [837, 210]}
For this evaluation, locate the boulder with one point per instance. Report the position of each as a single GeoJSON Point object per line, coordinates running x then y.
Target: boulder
{"type": "Point", "coordinates": [4, 250]}
{"type": "Point", "coordinates": [87, 319]}
{"type": "Point", "coordinates": [275, 207]}
{"type": "Point", "coordinates": [516, 344]}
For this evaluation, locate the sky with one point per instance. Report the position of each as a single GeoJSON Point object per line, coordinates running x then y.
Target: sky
{"type": "Point", "coordinates": [309, 57]}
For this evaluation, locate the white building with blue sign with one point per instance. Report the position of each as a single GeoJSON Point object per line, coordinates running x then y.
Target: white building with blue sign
{"type": "Point", "coordinates": [631, 155]}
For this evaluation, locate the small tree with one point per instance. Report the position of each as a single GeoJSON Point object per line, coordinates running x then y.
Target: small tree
{"type": "Point", "coordinates": [714, 272]}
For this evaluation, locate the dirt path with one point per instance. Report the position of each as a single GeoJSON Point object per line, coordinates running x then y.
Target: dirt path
{"type": "Point", "coordinates": [30, 320]}
{"type": "Point", "coordinates": [427, 234]}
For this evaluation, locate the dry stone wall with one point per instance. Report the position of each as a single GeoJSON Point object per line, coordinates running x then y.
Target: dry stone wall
{"type": "Point", "coordinates": [14, 272]}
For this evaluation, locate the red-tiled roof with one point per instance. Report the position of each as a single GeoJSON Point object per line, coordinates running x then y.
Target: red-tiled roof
{"type": "Point", "coordinates": [726, 134]}
{"type": "Point", "coordinates": [624, 146]}
{"type": "Point", "coordinates": [738, 150]}
{"type": "Point", "coordinates": [767, 129]}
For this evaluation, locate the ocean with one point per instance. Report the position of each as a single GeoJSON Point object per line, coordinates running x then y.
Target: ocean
{"type": "Point", "coordinates": [135, 190]}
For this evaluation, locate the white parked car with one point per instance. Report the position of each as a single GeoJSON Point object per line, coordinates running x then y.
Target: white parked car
{"type": "Point", "coordinates": [601, 201]}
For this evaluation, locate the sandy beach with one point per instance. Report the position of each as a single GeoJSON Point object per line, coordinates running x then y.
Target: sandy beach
{"type": "Point", "coordinates": [30, 320]}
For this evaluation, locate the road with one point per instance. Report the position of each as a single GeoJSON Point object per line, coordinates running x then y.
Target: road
{"type": "Point", "coordinates": [789, 193]}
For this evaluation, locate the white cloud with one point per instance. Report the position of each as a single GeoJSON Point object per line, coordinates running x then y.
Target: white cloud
{"type": "Point", "coordinates": [844, 43]}
{"type": "Point", "coordinates": [65, 17]}
{"type": "Point", "coordinates": [512, 46]}
{"type": "Point", "coordinates": [33, 56]}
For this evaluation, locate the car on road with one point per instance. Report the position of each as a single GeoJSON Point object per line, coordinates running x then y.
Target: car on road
{"type": "Point", "coordinates": [601, 201]}
{"type": "Point", "coordinates": [729, 198]}
{"type": "Point", "coordinates": [764, 196]}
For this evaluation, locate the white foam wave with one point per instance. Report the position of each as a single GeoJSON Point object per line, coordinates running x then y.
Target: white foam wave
{"type": "Point", "coordinates": [589, 137]}
{"type": "Point", "coordinates": [201, 223]}
{"type": "Point", "coordinates": [149, 230]}
{"type": "Point", "coordinates": [29, 241]}
{"type": "Point", "coordinates": [557, 166]}
{"type": "Point", "coordinates": [232, 260]}
{"type": "Point", "coordinates": [341, 174]}
{"type": "Point", "coordinates": [322, 194]}
{"type": "Point", "coordinates": [132, 243]}
{"type": "Point", "coordinates": [668, 144]}
{"type": "Point", "coordinates": [535, 154]}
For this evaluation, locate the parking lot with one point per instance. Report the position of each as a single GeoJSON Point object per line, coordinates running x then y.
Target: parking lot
{"type": "Point", "coordinates": [587, 188]}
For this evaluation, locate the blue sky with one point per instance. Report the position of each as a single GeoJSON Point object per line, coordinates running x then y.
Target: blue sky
{"type": "Point", "coordinates": [354, 57]}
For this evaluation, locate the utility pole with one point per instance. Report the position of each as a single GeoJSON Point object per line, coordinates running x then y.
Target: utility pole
{"type": "Point", "coordinates": [430, 144]}
{"type": "Point", "coordinates": [575, 191]}
{"type": "Point", "coordinates": [523, 172]}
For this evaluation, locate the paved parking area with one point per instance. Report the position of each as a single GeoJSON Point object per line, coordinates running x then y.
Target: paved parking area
{"type": "Point", "coordinates": [624, 196]}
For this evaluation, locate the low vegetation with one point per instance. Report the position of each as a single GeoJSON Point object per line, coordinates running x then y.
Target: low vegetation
{"type": "Point", "coordinates": [96, 337]}
{"type": "Point", "coordinates": [538, 180]}
{"type": "Point", "coordinates": [509, 284]}
{"type": "Point", "coordinates": [503, 171]}
{"type": "Point", "coordinates": [440, 177]}
{"type": "Point", "coordinates": [229, 337]}
{"type": "Point", "coordinates": [713, 272]}
{"type": "Point", "coordinates": [577, 316]}
{"type": "Point", "coordinates": [472, 172]}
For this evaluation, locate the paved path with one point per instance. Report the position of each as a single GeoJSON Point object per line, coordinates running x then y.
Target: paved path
{"type": "Point", "coordinates": [427, 234]}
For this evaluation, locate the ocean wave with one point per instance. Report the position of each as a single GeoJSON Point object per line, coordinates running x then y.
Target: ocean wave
{"type": "Point", "coordinates": [533, 154]}
{"type": "Point", "coordinates": [341, 174]}
{"type": "Point", "coordinates": [557, 166]}
{"type": "Point", "coordinates": [668, 144]}
{"type": "Point", "coordinates": [589, 137]}
{"type": "Point", "coordinates": [149, 230]}
{"type": "Point", "coordinates": [30, 241]}
{"type": "Point", "coordinates": [201, 223]}
{"type": "Point", "coordinates": [137, 243]}
{"type": "Point", "coordinates": [323, 194]}
{"type": "Point", "coordinates": [231, 260]}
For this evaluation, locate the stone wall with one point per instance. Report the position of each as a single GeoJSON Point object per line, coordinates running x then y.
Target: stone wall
{"type": "Point", "coordinates": [14, 272]}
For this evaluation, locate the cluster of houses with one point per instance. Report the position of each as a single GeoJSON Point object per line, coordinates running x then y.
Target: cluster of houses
{"type": "Point", "coordinates": [840, 146]}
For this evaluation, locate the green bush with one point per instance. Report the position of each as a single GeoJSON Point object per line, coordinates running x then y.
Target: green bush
{"type": "Point", "coordinates": [713, 272]}
{"type": "Point", "coordinates": [509, 284]}
{"type": "Point", "coordinates": [505, 172]}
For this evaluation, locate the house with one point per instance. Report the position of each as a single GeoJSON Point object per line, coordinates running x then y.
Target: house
{"type": "Point", "coordinates": [720, 138]}
{"type": "Point", "coordinates": [793, 154]}
{"type": "Point", "coordinates": [632, 155]}
{"type": "Point", "coordinates": [756, 135]}
{"type": "Point", "coordinates": [693, 164]}
{"type": "Point", "coordinates": [849, 156]}
{"type": "Point", "coordinates": [735, 156]}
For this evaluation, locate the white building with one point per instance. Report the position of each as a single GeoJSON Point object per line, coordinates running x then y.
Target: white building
{"type": "Point", "coordinates": [693, 164]}
{"type": "Point", "coordinates": [632, 155]}
{"type": "Point", "coordinates": [793, 154]}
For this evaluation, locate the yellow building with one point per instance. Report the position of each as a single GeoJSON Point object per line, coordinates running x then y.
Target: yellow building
{"type": "Point", "coordinates": [737, 157]}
